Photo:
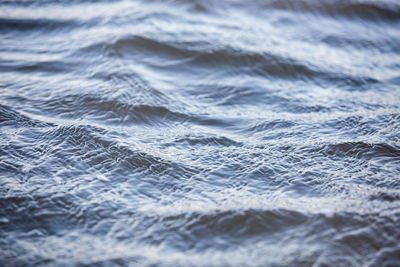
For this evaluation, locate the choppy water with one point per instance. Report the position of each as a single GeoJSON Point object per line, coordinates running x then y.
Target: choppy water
{"type": "Point", "coordinates": [205, 133]}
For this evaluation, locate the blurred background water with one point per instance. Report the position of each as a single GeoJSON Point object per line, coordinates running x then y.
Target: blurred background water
{"type": "Point", "coordinates": [200, 133]}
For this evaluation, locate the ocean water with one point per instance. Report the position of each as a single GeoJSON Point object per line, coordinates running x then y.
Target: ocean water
{"type": "Point", "coordinates": [200, 133]}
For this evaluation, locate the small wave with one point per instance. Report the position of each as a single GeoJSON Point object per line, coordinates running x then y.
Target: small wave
{"type": "Point", "coordinates": [226, 60]}
{"type": "Point", "coordinates": [10, 117]}
{"type": "Point", "coordinates": [205, 140]}
{"type": "Point", "coordinates": [230, 95]}
{"type": "Point", "coordinates": [238, 223]}
{"type": "Point", "coordinates": [387, 257]}
{"type": "Point", "coordinates": [360, 126]}
{"type": "Point", "coordinates": [383, 45]}
{"type": "Point", "coordinates": [362, 150]}
{"type": "Point", "coordinates": [33, 3]}
{"type": "Point", "coordinates": [198, 7]}
{"type": "Point", "coordinates": [263, 64]}
{"type": "Point", "coordinates": [271, 125]}
{"type": "Point", "coordinates": [34, 25]}
{"type": "Point", "coordinates": [366, 10]}
{"type": "Point", "coordinates": [129, 46]}
{"type": "Point", "coordinates": [48, 67]}
{"type": "Point", "coordinates": [108, 110]}
{"type": "Point", "coordinates": [386, 196]}
{"type": "Point", "coordinates": [227, 57]}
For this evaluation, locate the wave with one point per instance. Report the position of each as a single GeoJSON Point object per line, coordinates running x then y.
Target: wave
{"type": "Point", "coordinates": [366, 10]}
{"type": "Point", "coordinates": [191, 133]}
{"type": "Point", "coordinates": [206, 140]}
{"type": "Point", "coordinates": [34, 25]}
{"type": "Point", "coordinates": [362, 150]}
{"type": "Point", "coordinates": [111, 111]}
{"type": "Point", "coordinates": [10, 117]}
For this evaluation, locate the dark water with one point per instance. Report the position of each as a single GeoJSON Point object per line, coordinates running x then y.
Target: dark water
{"type": "Point", "coordinates": [200, 133]}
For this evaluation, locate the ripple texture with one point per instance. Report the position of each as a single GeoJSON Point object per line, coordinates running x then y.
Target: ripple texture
{"type": "Point", "coordinates": [200, 133]}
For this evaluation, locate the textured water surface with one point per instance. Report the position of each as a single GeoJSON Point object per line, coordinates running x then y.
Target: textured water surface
{"type": "Point", "coordinates": [200, 133]}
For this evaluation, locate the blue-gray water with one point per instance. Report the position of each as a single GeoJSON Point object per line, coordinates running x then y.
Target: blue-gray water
{"type": "Point", "coordinates": [200, 133]}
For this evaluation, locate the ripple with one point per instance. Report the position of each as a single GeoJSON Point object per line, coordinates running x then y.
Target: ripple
{"type": "Point", "coordinates": [192, 133]}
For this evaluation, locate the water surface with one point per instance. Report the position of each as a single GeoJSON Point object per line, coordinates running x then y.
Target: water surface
{"type": "Point", "coordinates": [200, 133]}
